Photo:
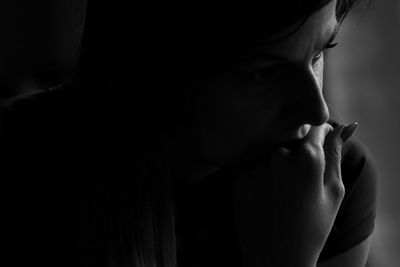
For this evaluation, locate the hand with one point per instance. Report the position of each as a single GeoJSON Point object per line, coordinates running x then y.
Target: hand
{"type": "Point", "coordinates": [285, 206]}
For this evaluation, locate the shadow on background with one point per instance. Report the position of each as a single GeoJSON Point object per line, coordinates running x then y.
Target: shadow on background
{"type": "Point", "coordinates": [363, 84]}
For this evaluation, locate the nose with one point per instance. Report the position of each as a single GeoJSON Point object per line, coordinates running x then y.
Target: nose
{"type": "Point", "coordinates": [306, 103]}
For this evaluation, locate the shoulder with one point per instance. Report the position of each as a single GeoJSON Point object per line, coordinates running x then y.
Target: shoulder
{"type": "Point", "coordinates": [358, 164]}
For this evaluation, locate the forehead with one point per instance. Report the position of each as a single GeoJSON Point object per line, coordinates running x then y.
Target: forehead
{"type": "Point", "coordinates": [316, 30]}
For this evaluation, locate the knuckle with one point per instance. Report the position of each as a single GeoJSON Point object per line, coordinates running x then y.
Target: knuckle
{"type": "Point", "coordinates": [337, 191]}
{"type": "Point", "coordinates": [312, 152]}
{"type": "Point", "coordinates": [327, 128]}
{"type": "Point", "coordinates": [312, 160]}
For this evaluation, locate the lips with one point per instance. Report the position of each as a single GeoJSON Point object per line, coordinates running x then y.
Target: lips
{"type": "Point", "coordinates": [289, 138]}
{"type": "Point", "coordinates": [297, 133]}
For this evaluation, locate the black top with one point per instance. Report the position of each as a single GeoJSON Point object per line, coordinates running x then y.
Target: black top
{"type": "Point", "coordinates": [42, 196]}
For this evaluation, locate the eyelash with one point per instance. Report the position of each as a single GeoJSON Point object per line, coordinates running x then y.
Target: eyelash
{"type": "Point", "coordinates": [323, 51]}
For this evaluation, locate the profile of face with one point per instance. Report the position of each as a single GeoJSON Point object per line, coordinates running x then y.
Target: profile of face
{"type": "Point", "coordinates": [274, 95]}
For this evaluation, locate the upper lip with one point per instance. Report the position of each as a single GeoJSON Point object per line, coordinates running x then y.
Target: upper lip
{"type": "Point", "coordinates": [288, 137]}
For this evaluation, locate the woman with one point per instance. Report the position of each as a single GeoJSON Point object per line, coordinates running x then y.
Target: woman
{"type": "Point", "coordinates": [199, 139]}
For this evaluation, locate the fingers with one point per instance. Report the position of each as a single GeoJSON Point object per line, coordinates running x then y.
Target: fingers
{"type": "Point", "coordinates": [333, 155]}
{"type": "Point", "coordinates": [316, 135]}
{"type": "Point", "coordinates": [333, 152]}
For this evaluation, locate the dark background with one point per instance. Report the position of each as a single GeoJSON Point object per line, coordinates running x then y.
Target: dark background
{"type": "Point", "coordinates": [38, 43]}
{"type": "Point", "coordinates": [38, 49]}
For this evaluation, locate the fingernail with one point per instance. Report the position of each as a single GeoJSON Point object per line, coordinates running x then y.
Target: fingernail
{"type": "Point", "coordinates": [348, 131]}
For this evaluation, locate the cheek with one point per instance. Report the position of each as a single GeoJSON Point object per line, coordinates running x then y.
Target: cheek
{"type": "Point", "coordinates": [232, 118]}
{"type": "Point", "coordinates": [242, 110]}
{"type": "Point", "coordinates": [319, 72]}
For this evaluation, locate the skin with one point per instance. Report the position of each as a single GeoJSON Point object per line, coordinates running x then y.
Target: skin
{"type": "Point", "coordinates": [242, 109]}
{"type": "Point", "coordinates": [272, 97]}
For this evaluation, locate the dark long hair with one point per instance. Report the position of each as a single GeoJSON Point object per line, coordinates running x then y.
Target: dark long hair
{"type": "Point", "coordinates": [132, 83]}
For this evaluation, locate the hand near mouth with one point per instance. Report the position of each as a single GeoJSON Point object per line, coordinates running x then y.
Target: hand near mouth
{"type": "Point", "coordinates": [285, 206]}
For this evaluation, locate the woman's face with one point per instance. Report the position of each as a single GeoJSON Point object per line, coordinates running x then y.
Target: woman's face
{"type": "Point", "coordinates": [273, 96]}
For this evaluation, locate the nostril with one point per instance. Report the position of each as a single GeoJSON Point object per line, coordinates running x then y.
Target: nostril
{"type": "Point", "coordinates": [324, 113]}
{"type": "Point", "coordinates": [318, 119]}
{"type": "Point", "coordinates": [316, 112]}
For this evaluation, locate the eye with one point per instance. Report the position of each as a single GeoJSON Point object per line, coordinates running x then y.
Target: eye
{"type": "Point", "coordinates": [323, 51]}
{"type": "Point", "coordinates": [317, 58]}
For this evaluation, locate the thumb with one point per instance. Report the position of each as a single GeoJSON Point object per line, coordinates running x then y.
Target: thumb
{"type": "Point", "coordinates": [333, 150]}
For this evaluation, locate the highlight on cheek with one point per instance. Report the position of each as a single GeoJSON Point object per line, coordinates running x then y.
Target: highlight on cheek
{"type": "Point", "coordinates": [316, 59]}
